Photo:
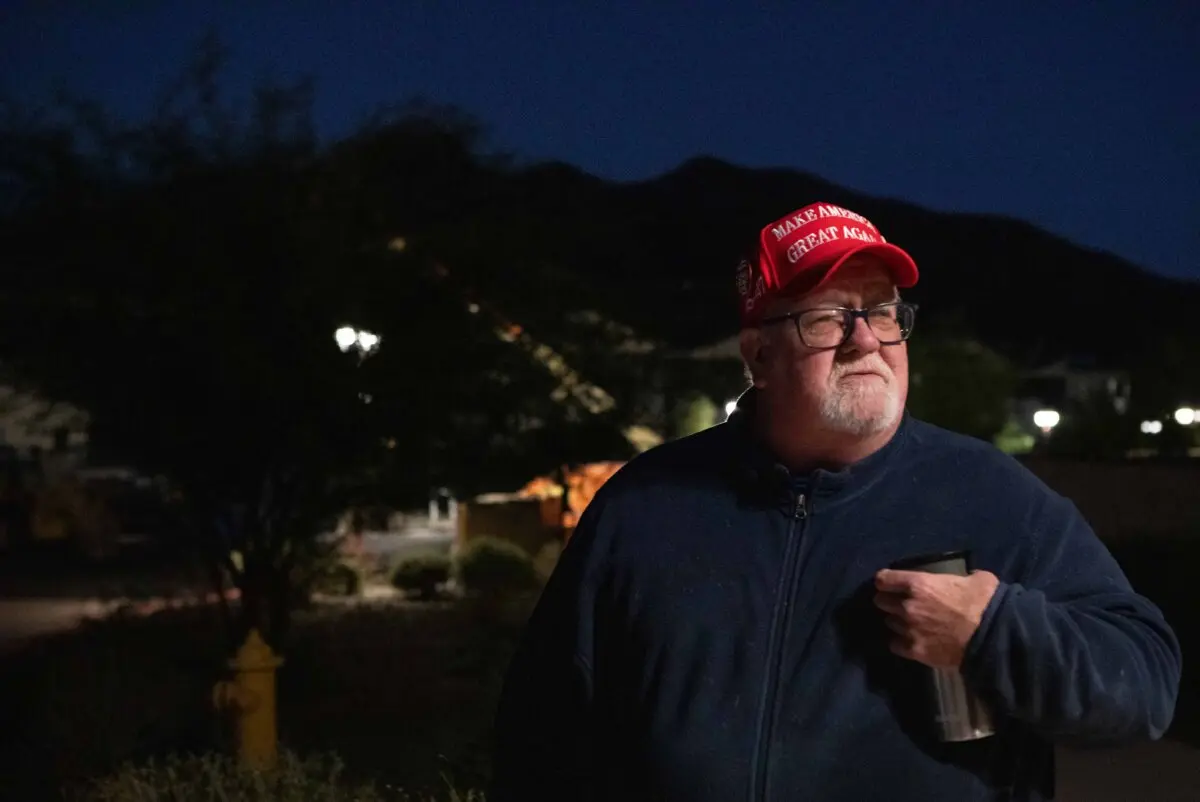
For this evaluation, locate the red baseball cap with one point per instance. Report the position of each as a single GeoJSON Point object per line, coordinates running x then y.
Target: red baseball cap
{"type": "Point", "coordinates": [800, 252]}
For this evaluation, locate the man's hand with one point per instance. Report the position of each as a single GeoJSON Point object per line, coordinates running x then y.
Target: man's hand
{"type": "Point", "coordinates": [933, 615]}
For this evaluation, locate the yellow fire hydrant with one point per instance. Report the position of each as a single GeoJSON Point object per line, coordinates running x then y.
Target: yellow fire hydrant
{"type": "Point", "coordinates": [251, 697]}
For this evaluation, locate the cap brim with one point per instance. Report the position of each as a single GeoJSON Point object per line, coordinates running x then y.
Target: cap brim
{"type": "Point", "coordinates": [899, 264]}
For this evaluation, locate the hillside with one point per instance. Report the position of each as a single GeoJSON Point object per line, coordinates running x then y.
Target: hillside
{"type": "Point", "coordinates": [661, 254]}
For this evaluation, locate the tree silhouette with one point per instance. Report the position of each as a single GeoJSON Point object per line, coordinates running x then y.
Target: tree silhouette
{"type": "Point", "coordinates": [182, 280]}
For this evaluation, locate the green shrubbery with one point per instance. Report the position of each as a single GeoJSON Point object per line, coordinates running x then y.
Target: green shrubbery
{"type": "Point", "coordinates": [422, 575]}
{"type": "Point", "coordinates": [489, 566]}
{"type": "Point", "coordinates": [338, 579]}
{"type": "Point", "coordinates": [217, 777]}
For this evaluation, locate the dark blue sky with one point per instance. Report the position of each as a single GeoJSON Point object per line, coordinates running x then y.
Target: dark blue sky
{"type": "Point", "coordinates": [1081, 117]}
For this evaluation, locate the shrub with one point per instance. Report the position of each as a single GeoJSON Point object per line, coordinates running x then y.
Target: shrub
{"type": "Point", "coordinates": [185, 779]}
{"type": "Point", "coordinates": [490, 566]}
{"type": "Point", "coordinates": [338, 580]}
{"type": "Point", "coordinates": [421, 574]}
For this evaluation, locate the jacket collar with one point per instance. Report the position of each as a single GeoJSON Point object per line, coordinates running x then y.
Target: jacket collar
{"type": "Point", "coordinates": [760, 475]}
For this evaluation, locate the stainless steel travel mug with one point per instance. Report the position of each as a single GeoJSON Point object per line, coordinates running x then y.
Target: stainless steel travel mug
{"type": "Point", "coordinates": [960, 714]}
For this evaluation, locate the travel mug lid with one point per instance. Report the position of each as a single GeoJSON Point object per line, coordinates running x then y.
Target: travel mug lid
{"type": "Point", "coordinates": [919, 561]}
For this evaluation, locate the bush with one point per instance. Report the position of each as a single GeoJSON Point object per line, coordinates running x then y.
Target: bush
{"type": "Point", "coordinates": [204, 777]}
{"type": "Point", "coordinates": [421, 574]}
{"type": "Point", "coordinates": [490, 566]}
{"type": "Point", "coordinates": [338, 580]}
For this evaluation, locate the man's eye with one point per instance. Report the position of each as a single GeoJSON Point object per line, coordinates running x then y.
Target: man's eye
{"type": "Point", "coordinates": [823, 319]}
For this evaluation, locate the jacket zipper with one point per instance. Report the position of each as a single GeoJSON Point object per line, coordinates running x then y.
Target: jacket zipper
{"type": "Point", "coordinates": [780, 617]}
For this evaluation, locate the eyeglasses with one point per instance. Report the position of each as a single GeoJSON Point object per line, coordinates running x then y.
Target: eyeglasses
{"type": "Point", "coordinates": [831, 327]}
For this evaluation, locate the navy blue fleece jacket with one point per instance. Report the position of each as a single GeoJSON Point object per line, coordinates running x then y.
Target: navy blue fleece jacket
{"type": "Point", "coordinates": [709, 633]}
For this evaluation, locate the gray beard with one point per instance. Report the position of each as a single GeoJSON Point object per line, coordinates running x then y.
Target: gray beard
{"type": "Point", "coordinates": [841, 409]}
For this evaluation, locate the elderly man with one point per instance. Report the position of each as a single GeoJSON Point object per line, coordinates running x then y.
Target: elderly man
{"type": "Point", "coordinates": [725, 623]}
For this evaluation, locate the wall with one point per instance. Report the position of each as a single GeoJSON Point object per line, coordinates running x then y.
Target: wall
{"type": "Point", "coordinates": [1136, 498]}
{"type": "Point", "coordinates": [528, 522]}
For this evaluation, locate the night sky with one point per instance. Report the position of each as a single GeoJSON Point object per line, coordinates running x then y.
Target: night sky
{"type": "Point", "coordinates": [1079, 117]}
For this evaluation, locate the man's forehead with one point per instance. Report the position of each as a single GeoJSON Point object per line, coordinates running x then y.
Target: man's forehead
{"type": "Point", "coordinates": [868, 288]}
{"type": "Point", "coordinates": [866, 278]}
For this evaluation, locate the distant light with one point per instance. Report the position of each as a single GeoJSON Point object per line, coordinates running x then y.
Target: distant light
{"type": "Point", "coordinates": [473, 309]}
{"type": "Point", "coordinates": [1186, 416]}
{"type": "Point", "coordinates": [1151, 426]}
{"type": "Point", "coordinates": [730, 406]}
{"type": "Point", "coordinates": [346, 337]}
{"type": "Point", "coordinates": [1046, 419]}
{"type": "Point", "coordinates": [368, 341]}
{"type": "Point", "coordinates": [397, 244]}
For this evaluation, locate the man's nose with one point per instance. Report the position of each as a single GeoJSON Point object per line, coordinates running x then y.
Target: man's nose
{"type": "Point", "coordinates": [862, 339]}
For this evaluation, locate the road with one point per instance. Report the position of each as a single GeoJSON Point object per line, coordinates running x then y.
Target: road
{"type": "Point", "coordinates": [25, 618]}
{"type": "Point", "coordinates": [1158, 772]}
{"type": "Point", "coordinates": [21, 619]}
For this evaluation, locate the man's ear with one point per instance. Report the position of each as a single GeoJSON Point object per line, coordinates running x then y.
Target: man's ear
{"type": "Point", "coordinates": [754, 347]}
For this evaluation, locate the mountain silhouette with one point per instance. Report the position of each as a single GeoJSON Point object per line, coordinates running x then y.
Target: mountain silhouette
{"type": "Point", "coordinates": [661, 255]}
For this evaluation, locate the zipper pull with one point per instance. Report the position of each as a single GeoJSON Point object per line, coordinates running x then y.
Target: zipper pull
{"type": "Point", "coordinates": [801, 507]}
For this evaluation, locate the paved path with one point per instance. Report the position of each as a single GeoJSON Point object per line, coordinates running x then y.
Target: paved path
{"type": "Point", "coordinates": [21, 619]}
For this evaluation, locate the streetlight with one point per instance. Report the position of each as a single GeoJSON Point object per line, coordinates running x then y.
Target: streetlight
{"type": "Point", "coordinates": [1186, 416]}
{"type": "Point", "coordinates": [1151, 426]}
{"type": "Point", "coordinates": [368, 341]}
{"type": "Point", "coordinates": [1046, 419]}
{"type": "Point", "coordinates": [363, 341]}
{"type": "Point", "coordinates": [345, 337]}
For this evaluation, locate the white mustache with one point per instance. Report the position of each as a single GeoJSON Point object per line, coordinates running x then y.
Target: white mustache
{"type": "Point", "coordinates": [877, 366]}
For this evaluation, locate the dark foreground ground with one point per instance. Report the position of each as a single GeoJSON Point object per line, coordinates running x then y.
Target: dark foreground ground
{"type": "Point", "coordinates": [402, 692]}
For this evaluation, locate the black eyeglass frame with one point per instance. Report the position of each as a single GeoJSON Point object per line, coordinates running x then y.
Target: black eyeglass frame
{"type": "Point", "coordinates": [849, 316]}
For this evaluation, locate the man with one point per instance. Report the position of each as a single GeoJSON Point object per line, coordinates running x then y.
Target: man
{"type": "Point", "coordinates": [724, 626]}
